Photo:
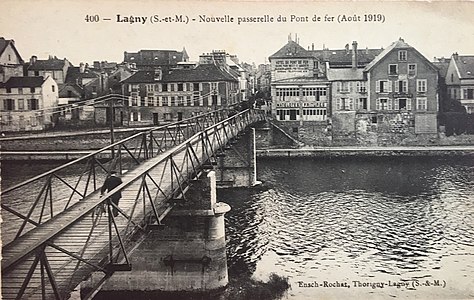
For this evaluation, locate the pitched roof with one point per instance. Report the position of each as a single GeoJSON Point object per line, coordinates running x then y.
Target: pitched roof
{"type": "Point", "coordinates": [27, 81]}
{"type": "Point", "coordinates": [342, 57]}
{"type": "Point", "coordinates": [293, 50]}
{"type": "Point", "coordinates": [204, 72]}
{"type": "Point", "coordinates": [465, 64]}
{"type": "Point", "coordinates": [47, 64]}
{"type": "Point", "coordinates": [345, 74]}
{"type": "Point", "coordinates": [4, 44]}
{"type": "Point", "coordinates": [399, 44]}
{"type": "Point", "coordinates": [154, 57]}
{"type": "Point", "coordinates": [73, 74]}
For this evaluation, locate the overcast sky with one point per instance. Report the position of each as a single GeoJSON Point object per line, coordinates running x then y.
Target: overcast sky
{"type": "Point", "coordinates": [45, 27]}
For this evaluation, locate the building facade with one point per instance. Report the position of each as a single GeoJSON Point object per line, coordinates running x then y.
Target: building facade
{"type": "Point", "coordinates": [158, 96]}
{"type": "Point", "coordinates": [460, 80]}
{"type": "Point", "coordinates": [11, 63]}
{"type": "Point", "coordinates": [403, 90]}
{"type": "Point", "coordinates": [28, 103]}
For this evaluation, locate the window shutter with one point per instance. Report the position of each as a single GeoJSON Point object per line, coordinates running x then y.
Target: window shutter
{"type": "Point", "coordinates": [377, 86]}
{"type": "Point", "coordinates": [397, 84]}
{"type": "Point", "coordinates": [409, 103]}
{"type": "Point", "coordinates": [389, 104]}
{"type": "Point", "coordinates": [464, 94]}
{"type": "Point", "coordinates": [377, 104]}
{"type": "Point", "coordinates": [390, 83]}
{"type": "Point", "coordinates": [350, 86]}
{"type": "Point", "coordinates": [338, 86]}
{"type": "Point", "coordinates": [338, 104]}
{"type": "Point", "coordinates": [396, 104]}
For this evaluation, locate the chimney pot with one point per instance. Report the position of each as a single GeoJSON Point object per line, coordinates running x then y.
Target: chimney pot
{"type": "Point", "coordinates": [354, 55]}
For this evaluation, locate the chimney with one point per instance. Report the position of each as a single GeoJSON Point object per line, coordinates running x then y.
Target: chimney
{"type": "Point", "coordinates": [312, 46]}
{"type": "Point", "coordinates": [354, 55]}
{"type": "Point", "coordinates": [455, 55]}
{"type": "Point", "coordinates": [33, 60]}
{"type": "Point", "coordinates": [347, 48]}
{"type": "Point", "coordinates": [81, 68]}
{"type": "Point", "coordinates": [158, 74]}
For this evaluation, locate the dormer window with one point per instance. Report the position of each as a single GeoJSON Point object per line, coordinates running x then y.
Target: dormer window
{"type": "Point", "coordinates": [402, 55]}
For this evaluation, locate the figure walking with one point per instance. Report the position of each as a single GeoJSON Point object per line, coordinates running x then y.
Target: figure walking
{"type": "Point", "coordinates": [111, 183]}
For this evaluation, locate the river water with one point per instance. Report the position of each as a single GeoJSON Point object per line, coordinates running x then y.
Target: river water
{"type": "Point", "coordinates": [346, 228]}
{"type": "Point", "coordinates": [367, 228]}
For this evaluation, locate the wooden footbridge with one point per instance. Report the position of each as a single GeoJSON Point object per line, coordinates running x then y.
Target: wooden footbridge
{"type": "Point", "coordinates": [57, 230]}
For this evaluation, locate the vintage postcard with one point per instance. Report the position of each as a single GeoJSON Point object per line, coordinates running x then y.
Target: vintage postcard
{"type": "Point", "coordinates": [129, 169]}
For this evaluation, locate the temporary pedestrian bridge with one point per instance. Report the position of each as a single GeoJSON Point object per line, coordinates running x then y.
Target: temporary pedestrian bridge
{"type": "Point", "coordinates": [57, 229]}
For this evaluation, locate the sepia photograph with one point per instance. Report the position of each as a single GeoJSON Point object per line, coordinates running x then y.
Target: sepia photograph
{"type": "Point", "coordinates": [236, 150]}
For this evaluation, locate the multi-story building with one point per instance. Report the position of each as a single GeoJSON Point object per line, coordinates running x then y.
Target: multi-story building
{"type": "Point", "coordinates": [460, 80]}
{"type": "Point", "coordinates": [299, 89]}
{"type": "Point", "coordinates": [168, 95]}
{"type": "Point", "coordinates": [28, 103]}
{"type": "Point", "coordinates": [53, 66]}
{"type": "Point", "coordinates": [11, 63]}
{"type": "Point", "coordinates": [402, 89]}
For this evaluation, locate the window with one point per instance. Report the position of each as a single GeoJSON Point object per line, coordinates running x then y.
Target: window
{"type": "Point", "coordinates": [361, 103]}
{"type": "Point", "coordinates": [421, 85]}
{"type": "Point", "coordinates": [150, 88]}
{"type": "Point", "coordinates": [172, 103]}
{"type": "Point", "coordinates": [421, 103]}
{"type": "Point", "coordinates": [362, 86]}
{"type": "Point", "coordinates": [168, 116]}
{"type": "Point", "coordinates": [468, 93]}
{"type": "Point", "coordinates": [383, 86]}
{"type": "Point", "coordinates": [52, 88]}
{"type": "Point", "coordinates": [392, 69]}
{"type": "Point", "coordinates": [165, 101]}
{"type": "Point", "coordinates": [180, 100]}
{"type": "Point", "coordinates": [402, 55]}
{"type": "Point", "coordinates": [9, 90]}
{"type": "Point", "coordinates": [381, 104]}
{"type": "Point", "coordinates": [20, 91]}
{"type": "Point", "coordinates": [213, 86]}
{"type": "Point", "coordinates": [196, 86]}
{"type": "Point", "coordinates": [21, 104]}
{"type": "Point", "coordinates": [343, 86]}
{"type": "Point", "coordinates": [411, 69]}
{"type": "Point", "coordinates": [33, 104]}
{"type": "Point", "coordinates": [172, 87]}
{"type": "Point", "coordinates": [32, 90]}
{"type": "Point", "coordinates": [403, 104]}
{"type": "Point", "coordinates": [401, 86]}
{"type": "Point", "coordinates": [164, 87]}
{"type": "Point", "coordinates": [180, 87]}
{"type": "Point", "coordinates": [345, 104]}
{"type": "Point", "coordinates": [9, 104]}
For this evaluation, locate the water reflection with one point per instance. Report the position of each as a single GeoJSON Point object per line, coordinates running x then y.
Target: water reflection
{"type": "Point", "coordinates": [396, 217]}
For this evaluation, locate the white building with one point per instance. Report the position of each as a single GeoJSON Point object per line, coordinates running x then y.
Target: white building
{"type": "Point", "coordinates": [28, 103]}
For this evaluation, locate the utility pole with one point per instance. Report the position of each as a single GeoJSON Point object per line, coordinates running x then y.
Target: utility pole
{"type": "Point", "coordinates": [111, 118]}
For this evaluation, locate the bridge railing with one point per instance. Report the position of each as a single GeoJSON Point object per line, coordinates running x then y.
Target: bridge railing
{"type": "Point", "coordinates": [155, 188]}
{"type": "Point", "coordinates": [34, 201]}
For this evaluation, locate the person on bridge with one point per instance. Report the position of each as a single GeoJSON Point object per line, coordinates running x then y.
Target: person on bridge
{"type": "Point", "coordinates": [111, 183]}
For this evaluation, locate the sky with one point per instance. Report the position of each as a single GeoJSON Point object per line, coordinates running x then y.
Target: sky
{"type": "Point", "coordinates": [59, 28]}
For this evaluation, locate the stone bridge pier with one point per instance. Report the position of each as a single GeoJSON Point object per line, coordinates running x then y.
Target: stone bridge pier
{"type": "Point", "coordinates": [186, 254]}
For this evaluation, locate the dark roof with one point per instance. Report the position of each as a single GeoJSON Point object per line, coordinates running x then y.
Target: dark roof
{"type": "Point", "coordinates": [291, 50]}
{"type": "Point", "coordinates": [4, 44]}
{"type": "Point", "coordinates": [47, 64]}
{"type": "Point", "coordinates": [73, 74]}
{"type": "Point", "coordinates": [465, 64]}
{"type": "Point", "coordinates": [442, 66]}
{"type": "Point", "coordinates": [343, 57]}
{"type": "Point", "coordinates": [33, 81]}
{"type": "Point", "coordinates": [154, 57]}
{"type": "Point", "coordinates": [204, 72]}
